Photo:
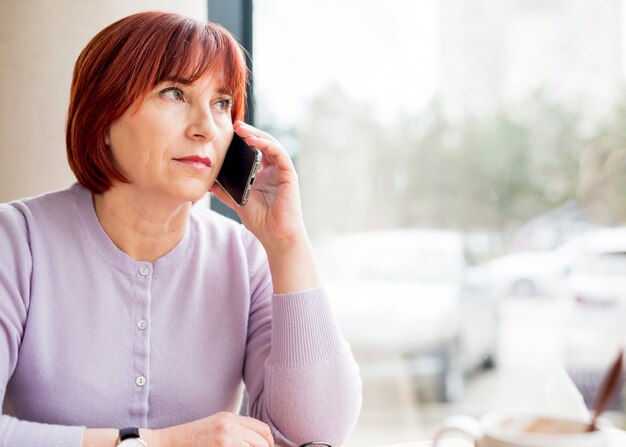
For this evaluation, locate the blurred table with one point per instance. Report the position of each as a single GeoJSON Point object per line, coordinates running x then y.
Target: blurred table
{"type": "Point", "coordinates": [451, 442]}
{"type": "Point", "coordinates": [616, 438]}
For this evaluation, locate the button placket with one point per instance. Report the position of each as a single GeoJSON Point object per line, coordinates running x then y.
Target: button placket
{"type": "Point", "coordinates": [144, 274]}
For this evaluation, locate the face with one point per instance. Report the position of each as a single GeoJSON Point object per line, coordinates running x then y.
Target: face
{"type": "Point", "coordinates": [172, 145]}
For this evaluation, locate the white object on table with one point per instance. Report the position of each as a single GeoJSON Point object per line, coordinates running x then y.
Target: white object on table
{"type": "Point", "coordinates": [450, 442]}
{"type": "Point", "coordinates": [562, 396]}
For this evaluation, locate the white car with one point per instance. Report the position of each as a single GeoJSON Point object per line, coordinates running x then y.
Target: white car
{"type": "Point", "coordinates": [529, 273]}
{"type": "Point", "coordinates": [404, 294]}
{"type": "Point", "coordinates": [595, 308]}
{"type": "Point", "coordinates": [537, 273]}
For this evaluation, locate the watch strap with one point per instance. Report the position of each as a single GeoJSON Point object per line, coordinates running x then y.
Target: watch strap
{"type": "Point", "coordinates": [129, 433]}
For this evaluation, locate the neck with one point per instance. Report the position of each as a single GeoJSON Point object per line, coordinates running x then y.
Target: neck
{"type": "Point", "coordinates": [144, 227]}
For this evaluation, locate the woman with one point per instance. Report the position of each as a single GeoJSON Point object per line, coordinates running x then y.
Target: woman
{"type": "Point", "coordinates": [124, 307]}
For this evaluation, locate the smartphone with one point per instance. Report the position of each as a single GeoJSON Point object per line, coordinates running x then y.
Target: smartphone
{"type": "Point", "coordinates": [240, 167]}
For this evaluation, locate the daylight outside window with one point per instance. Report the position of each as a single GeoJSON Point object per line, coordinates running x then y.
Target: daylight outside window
{"type": "Point", "coordinates": [463, 175]}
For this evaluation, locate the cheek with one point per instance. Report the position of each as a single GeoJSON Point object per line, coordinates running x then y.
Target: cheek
{"type": "Point", "coordinates": [130, 146]}
{"type": "Point", "coordinates": [135, 137]}
{"type": "Point", "coordinates": [121, 140]}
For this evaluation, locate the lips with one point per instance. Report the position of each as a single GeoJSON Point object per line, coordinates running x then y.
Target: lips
{"type": "Point", "coordinates": [195, 161]}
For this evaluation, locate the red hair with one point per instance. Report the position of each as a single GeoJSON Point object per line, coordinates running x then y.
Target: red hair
{"type": "Point", "coordinates": [126, 60]}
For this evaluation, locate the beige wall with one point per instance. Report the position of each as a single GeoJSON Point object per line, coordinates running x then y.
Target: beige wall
{"type": "Point", "coordinates": [39, 43]}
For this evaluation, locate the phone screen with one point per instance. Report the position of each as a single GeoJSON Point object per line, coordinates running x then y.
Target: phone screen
{"type": "Point", "coordinates": [239, 170]}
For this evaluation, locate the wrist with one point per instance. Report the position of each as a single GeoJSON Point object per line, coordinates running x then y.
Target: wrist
{"type": "Point", "coordinates": [285, 246]}
{"type": "Point", "coordinates": [154, 438]}
{"type": "Point", "coordinates": [147, 435]}
{"type": "Point", "coordinates": [292, 266]}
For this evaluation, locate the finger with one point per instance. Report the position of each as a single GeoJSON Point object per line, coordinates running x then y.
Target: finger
{"type": "Point", "coordinates": [258, 427]}
{"type": "Point", "coordinates": [272, 151]}
{"type": "Point", "coordinates": [244, 130]}
{"type": "Point", "coordinates": [254, 439]}
{"type": "Point", "coordinates": [265, 143]}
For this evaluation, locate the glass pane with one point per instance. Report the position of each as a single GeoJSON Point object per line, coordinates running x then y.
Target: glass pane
{"type": "Point", "coordinates": [462, 167]}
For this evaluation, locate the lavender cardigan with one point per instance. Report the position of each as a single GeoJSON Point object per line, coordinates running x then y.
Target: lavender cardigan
{"type": "Point", "coordinates": [90, 337]}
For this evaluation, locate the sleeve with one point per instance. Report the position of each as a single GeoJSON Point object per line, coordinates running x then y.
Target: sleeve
{"type": "Point", "coordinates": [300, 374]}
{"type": "Point", "coordinates": [15, 274]}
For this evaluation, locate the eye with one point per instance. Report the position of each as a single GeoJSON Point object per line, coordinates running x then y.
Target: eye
{"type": "Point", "coordinates": [223, 105]}
{"type": "Point", "coordinates": [174, 93]}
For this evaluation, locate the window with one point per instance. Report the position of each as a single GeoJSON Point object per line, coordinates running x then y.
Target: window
{"type": "Point", "coordinates": [499, 124]}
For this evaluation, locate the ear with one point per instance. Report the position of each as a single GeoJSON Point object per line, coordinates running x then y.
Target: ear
{"type": "Point", "coordinates": [107, 137]}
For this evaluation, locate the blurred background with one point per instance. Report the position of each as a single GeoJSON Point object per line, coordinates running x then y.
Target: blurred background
{"type": "Point", "coordinates": [463, 173]}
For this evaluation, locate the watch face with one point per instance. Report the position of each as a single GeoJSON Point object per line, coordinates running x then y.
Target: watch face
{"type": "Point", "coordinates": [134, 442]}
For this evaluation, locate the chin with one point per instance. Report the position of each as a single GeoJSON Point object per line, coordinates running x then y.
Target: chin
{"type": "Point", "coordinates": [191, 192]}
{"type": "Point", "coordinates": [194, 196]}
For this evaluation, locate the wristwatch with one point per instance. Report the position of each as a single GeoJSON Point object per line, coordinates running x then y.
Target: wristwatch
{"type": "Point", "coordinates": [129, 437]}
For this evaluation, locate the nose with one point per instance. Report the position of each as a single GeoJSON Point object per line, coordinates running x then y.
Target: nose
{"type": "Point", "coordinates": [202, 125]}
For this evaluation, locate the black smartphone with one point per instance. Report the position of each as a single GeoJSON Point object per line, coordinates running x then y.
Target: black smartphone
{"type": "Point", "coordinates": [239, 170]}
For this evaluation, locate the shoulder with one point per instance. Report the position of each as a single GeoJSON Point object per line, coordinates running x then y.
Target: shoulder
{"type": "Point", "coordinates": [15, 246]}
{"type": "Point", "coordinates": [25, 216]}
{"type": "Point", "coordinates": [12, 221]}
{"type": "Point", "coordinates": [51, 203]}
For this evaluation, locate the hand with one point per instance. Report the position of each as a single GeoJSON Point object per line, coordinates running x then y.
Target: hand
{"type": "Point", "coordinates": [273, 212]}
{"type": "Point", "coordinates": [274, 215]}
{"type": "Point", "coordinates": [219, 430]}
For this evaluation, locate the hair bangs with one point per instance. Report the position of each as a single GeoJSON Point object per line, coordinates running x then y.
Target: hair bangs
{"type": "Point", "coordinates": [200, 49]}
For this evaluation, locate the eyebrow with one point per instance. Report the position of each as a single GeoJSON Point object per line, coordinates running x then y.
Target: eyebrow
{"type": "Point", "coordinates": [221, 90]}
{"type": "Point", "coordinates": [177, 80]}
